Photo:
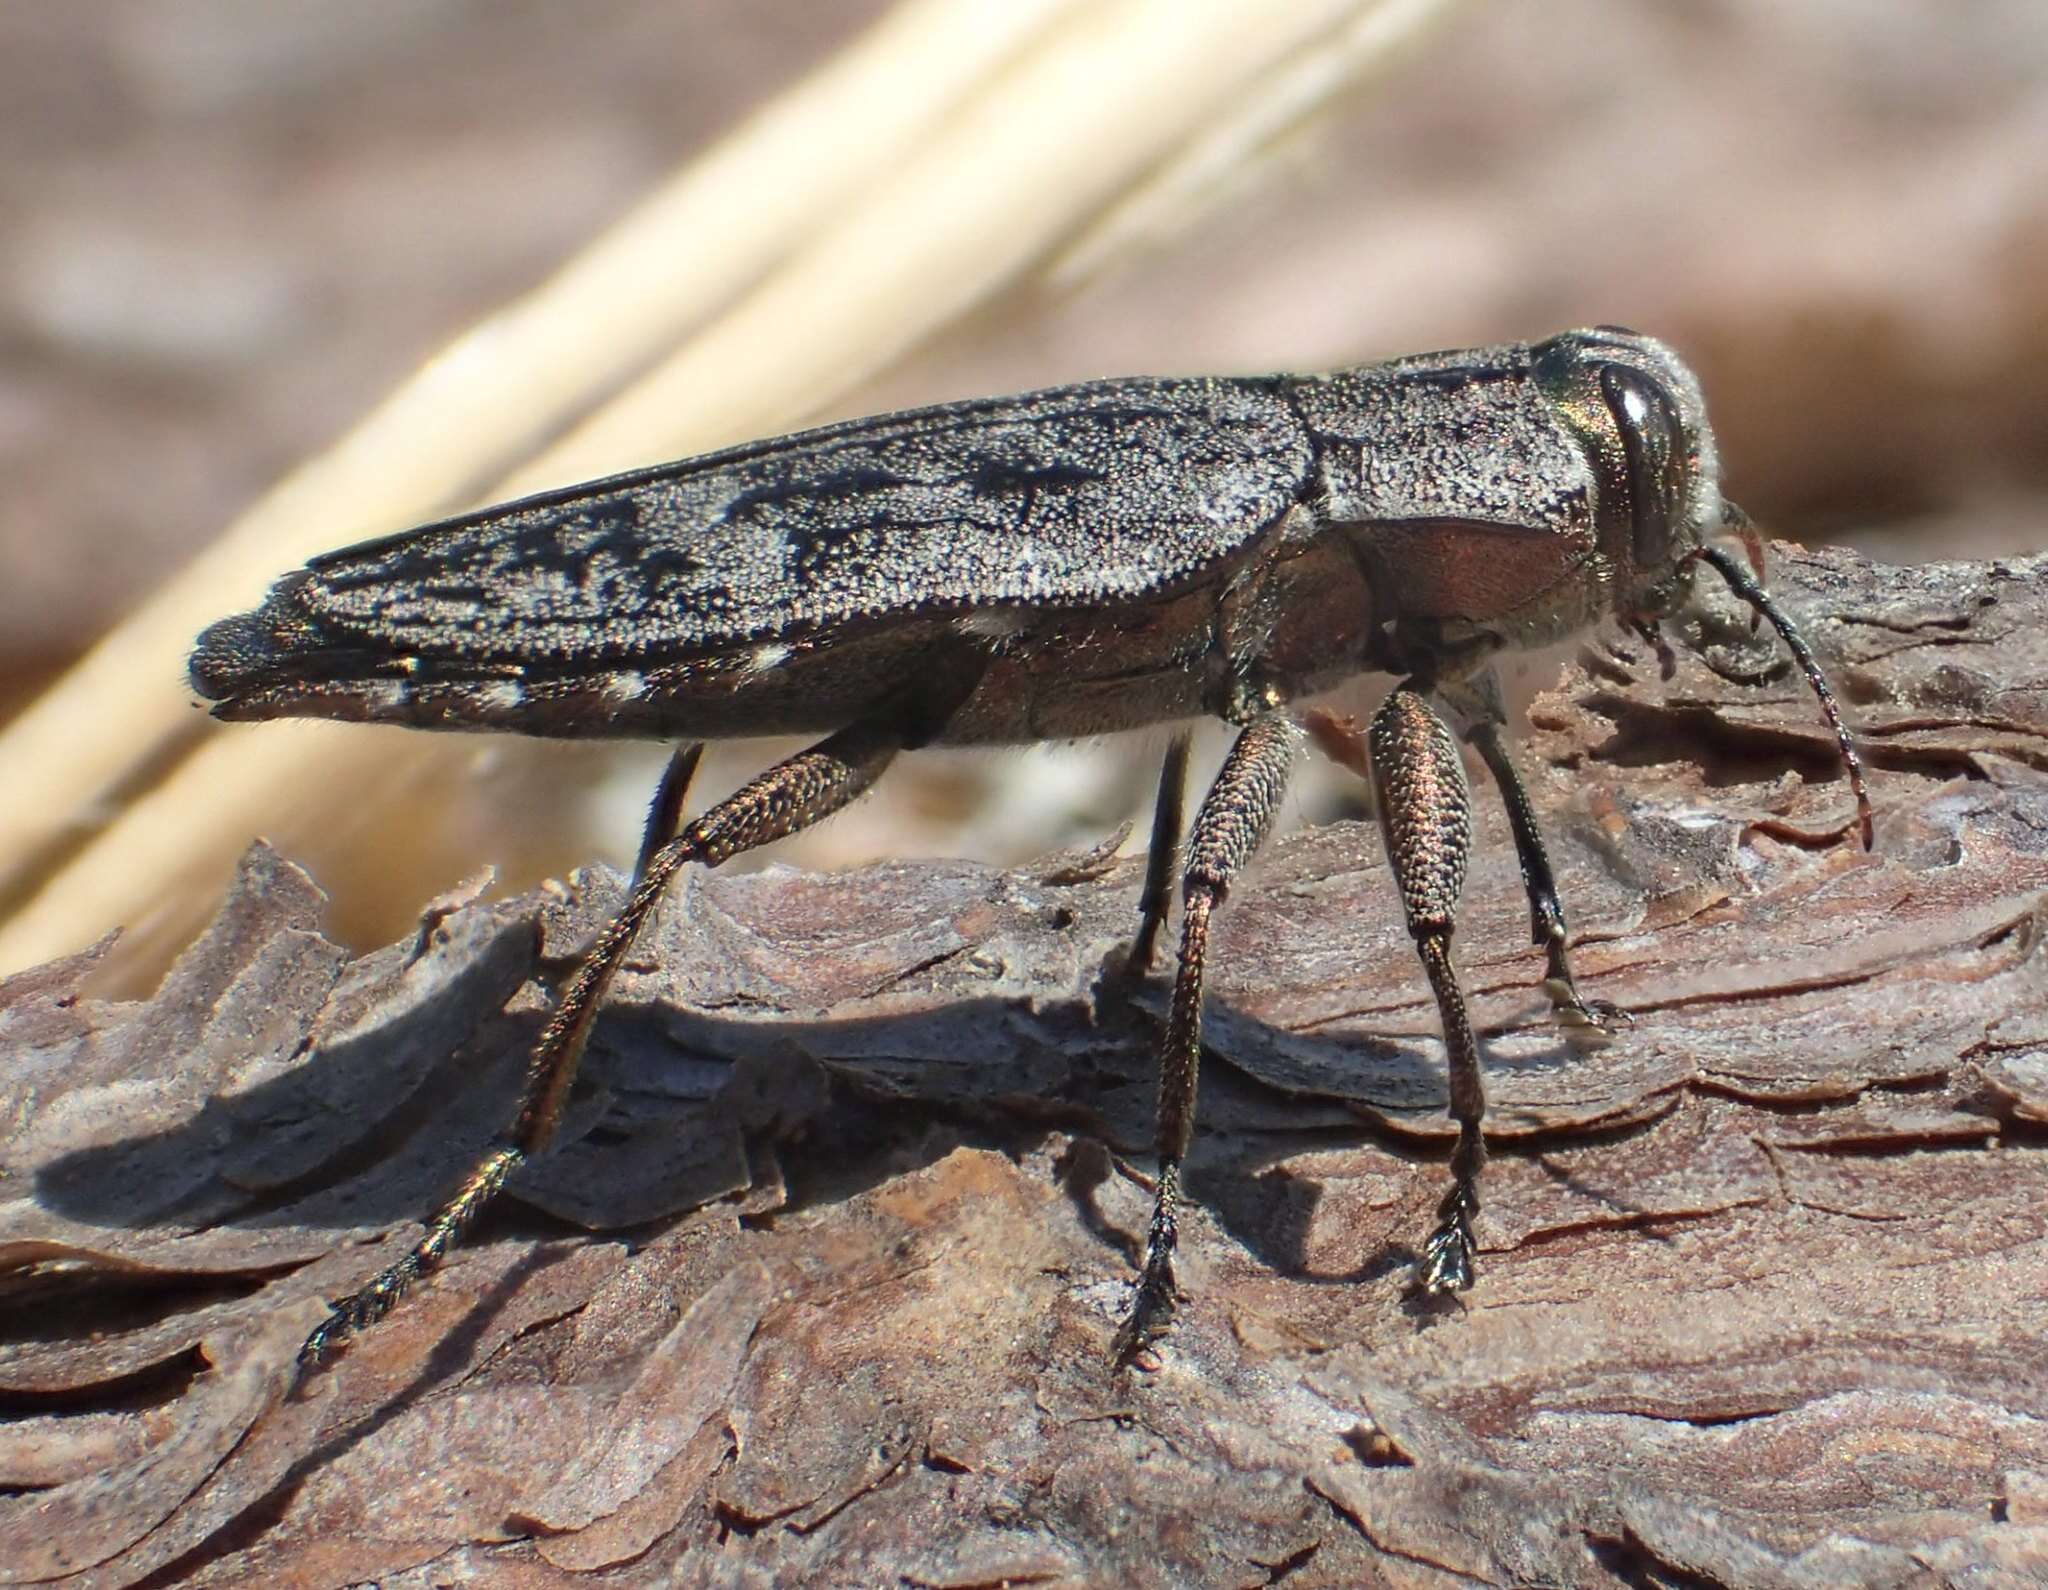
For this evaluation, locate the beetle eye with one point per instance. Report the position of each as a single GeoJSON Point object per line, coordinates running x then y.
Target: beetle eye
{"type": "Point", "coordinates": [1653, 441]}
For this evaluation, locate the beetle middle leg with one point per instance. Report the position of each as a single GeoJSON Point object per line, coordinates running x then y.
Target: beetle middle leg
{"type": "Point", "coordinates": [792, 795]}
{"type": "Point", "coordinates": [1235, 815]}
{"type": "Point", "coordinates": [1425, 812]}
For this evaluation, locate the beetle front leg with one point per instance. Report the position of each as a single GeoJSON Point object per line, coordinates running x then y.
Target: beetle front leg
{"type": "Point", "coordinates": [1235, 815]}
{"type": "Point", "coordinates": [1586, 1021]}
{"type": "Point", "coordinates": [1476, 700]}
{"type": "Point", "coordinates": [1425, 812]}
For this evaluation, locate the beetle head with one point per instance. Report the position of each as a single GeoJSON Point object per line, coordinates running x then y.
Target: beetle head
{"type": "Point", "coordinates": [1638, 412]}
{"type": "Point", "coordinates": [1637, 409]}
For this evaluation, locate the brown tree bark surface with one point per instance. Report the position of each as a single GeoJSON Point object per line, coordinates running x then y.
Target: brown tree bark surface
{"type": "Point", "coordinates": [820, 1287]}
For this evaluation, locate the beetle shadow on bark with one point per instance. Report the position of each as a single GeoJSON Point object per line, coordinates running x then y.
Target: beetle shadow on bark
{"type": "Point", "coordinates": [780, 1040]}
{"type": "Point", "coordinates": [382, 1079]}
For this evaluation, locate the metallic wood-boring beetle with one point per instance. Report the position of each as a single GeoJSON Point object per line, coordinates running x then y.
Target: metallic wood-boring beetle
{"type": "Point", "coordinates": [1063, 563]}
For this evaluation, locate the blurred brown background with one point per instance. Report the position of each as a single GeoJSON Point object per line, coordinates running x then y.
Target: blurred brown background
{"type": "Point", "coordinates": [228, 226]}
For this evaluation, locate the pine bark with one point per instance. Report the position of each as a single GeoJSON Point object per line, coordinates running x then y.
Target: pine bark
{"type": "Point", "coordinates": [820, 1285]}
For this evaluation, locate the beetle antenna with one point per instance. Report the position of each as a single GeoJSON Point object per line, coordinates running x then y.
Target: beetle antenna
{"type": "Point", "coordinates": [1745, 585]}
{"type": "Point", "coordinates": [1738, 524]}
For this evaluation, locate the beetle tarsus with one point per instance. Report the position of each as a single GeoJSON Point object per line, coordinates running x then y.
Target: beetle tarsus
{"type": "Point", "coordinates": [372, 1301]}
{"type": "Point", "coordinates": [1588, 1023]}
{"type": "Point", "coordinates": [1152, 1303]}
{"type": "Point", "coordinates": [1446, 1265]}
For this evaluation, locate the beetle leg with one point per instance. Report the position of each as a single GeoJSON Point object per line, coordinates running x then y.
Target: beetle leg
{"type": "Point", "coordinates": [1425, 813]}
{"type": "Point", "coordinates": [1162, 857]}
{"type": "Point", "coordinates": [1477, 701]}
{"type": "Point", "coordinates": [792, 795]}
{"type": "Point", "coordinates": [665, 811]}
{"type": "Point", "coordinates": [1585, 1020]}
{"type": "Point", "coordinates": [1234, 817]}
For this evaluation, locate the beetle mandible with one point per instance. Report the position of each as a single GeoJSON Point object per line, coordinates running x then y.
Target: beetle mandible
{"type": "Point", "coordinates": [1058, 564]}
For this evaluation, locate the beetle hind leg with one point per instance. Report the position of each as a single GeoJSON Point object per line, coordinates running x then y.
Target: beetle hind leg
{"type": "Point", "coordinates": [665, 811]}
{"type": "Point", "coordinates": [792, 795]}
{"type": "Point", "coordinates": [1162, 856]}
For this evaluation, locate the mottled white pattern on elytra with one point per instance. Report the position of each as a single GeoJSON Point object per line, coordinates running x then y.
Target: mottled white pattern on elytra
{"type": "Point", "coordinates": [1087, 494]}
{"type": "Point", "coordinates": [501, 695]}
{"type": "Point", "coordinates": [991, 623]}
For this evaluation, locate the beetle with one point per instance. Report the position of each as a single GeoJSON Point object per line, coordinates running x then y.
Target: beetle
{"type": "Point", "coordinates": [1063, 563]}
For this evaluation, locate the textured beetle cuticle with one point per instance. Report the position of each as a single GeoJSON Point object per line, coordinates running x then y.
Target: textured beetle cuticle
{"type": "Point", "coordinates": [1060, 564]}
